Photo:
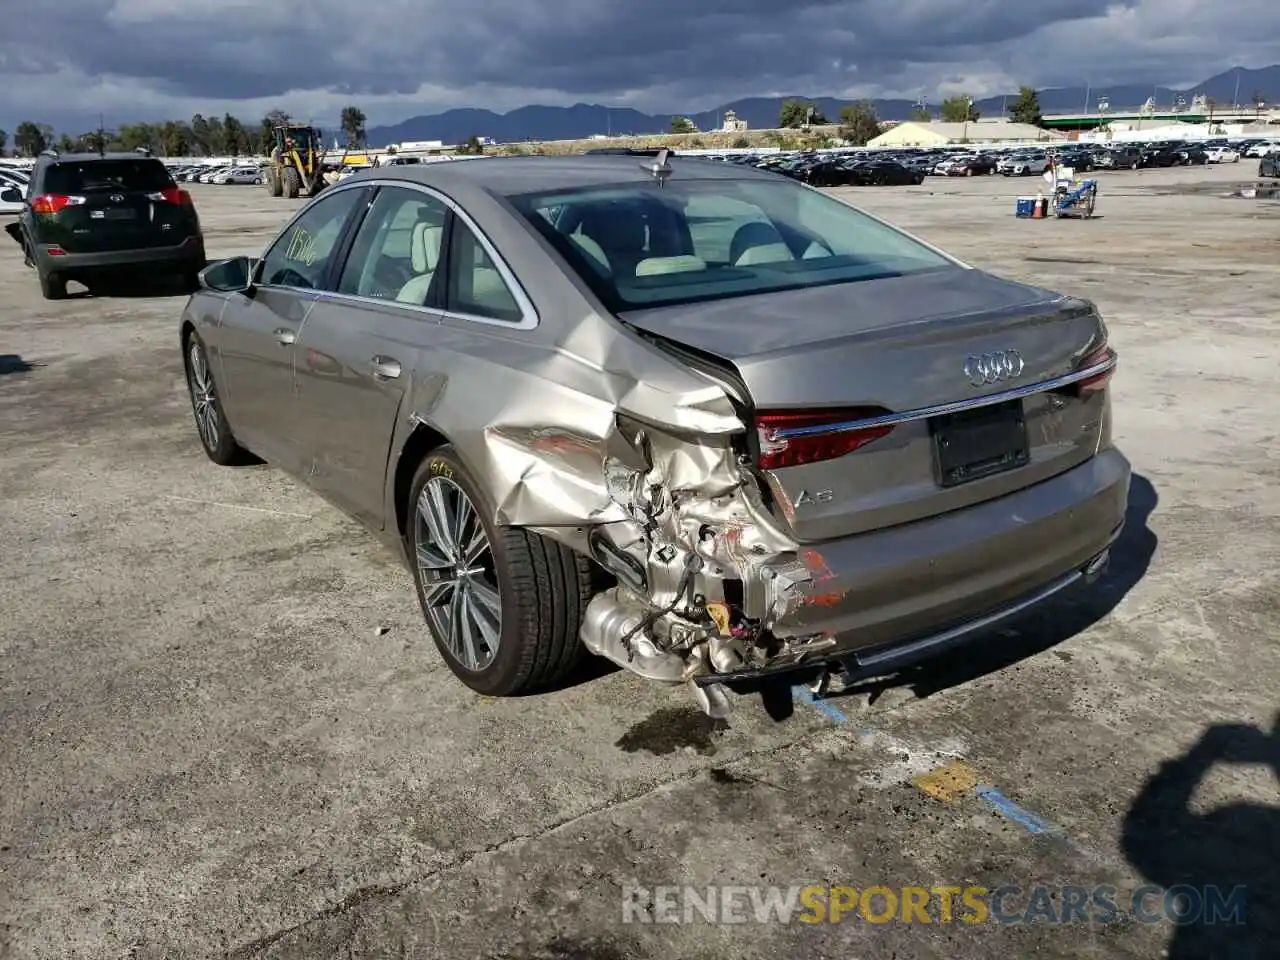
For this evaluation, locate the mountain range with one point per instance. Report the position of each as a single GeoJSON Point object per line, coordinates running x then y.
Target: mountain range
{"type": "Point", "coordinates": [584, 120]}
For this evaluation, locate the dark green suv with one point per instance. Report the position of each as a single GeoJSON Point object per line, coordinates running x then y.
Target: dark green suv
{"type": "Point", "coordinates": [97, 218]}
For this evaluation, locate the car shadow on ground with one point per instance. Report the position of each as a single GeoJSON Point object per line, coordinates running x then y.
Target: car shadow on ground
{"type": "Point", "coordinates": [1218, 871]}
{"type": "Point", "coordinates": [13, 363]}
{"type": "Point", "coordinates": [130, 288]}
{"type": "Point", "coordinates": [1042, 628]}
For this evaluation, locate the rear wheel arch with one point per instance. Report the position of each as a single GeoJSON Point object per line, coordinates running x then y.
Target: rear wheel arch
{"type": "Point", "coordinates": [416, 448]}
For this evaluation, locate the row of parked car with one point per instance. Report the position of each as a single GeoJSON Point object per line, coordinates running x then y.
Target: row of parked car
{"type": "Point", "coordinates": [240, 173]}
{"type": "Point", "coordinates": [908, 166]}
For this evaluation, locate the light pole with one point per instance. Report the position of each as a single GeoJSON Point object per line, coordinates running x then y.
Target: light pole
{"type": "Point", "coordinates": [968, 109]}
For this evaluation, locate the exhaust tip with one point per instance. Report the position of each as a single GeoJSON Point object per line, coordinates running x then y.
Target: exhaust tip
{"type": "Point", "coordinates": [1095, 567]}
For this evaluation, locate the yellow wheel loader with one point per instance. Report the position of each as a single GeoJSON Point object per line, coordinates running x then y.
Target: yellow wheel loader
{"type": "Point", "coordinates": [297, 162]}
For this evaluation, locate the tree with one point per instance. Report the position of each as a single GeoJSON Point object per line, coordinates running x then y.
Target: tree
{"type": "Point", "coordinates": [959, 109]}
{"type": "Point", "coordinates": [29, 140]}
{"type": "Point", "coordinates": [859, 123]}
{"type": "Point", "coordinates": [96, 141]}
{"type": "Point", "coordinates": [4, 141]}
{"type": "Point", "coordinates": [919, 115]}
{"type": "Point", "coordinates": [66, 144]}
{"type": "Point", "coordinates": [235, 139]}
{"type": "Point", "coordinates": [353, 126]}
{"type": "Point", "coordinates": [682, 125]}
{"type": "Point", "coordinates": [1026, 109]}
{"type": "Point", "coordinates": [796, 113]}
{"type": "Point", "coordinates": [741, 143]}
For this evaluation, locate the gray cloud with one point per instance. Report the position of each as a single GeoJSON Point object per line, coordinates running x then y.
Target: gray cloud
{"type": "Point", "coordinates": [397, 57]}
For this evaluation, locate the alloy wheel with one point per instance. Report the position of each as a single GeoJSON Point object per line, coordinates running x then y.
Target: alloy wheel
{"type": "Point", "coordinates": [203, 396]}
{"type": "Point", "coordinates": [456, 569]}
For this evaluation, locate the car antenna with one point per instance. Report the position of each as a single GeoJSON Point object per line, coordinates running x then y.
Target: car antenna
{"type": "Point", "coordinates": [660, 170]}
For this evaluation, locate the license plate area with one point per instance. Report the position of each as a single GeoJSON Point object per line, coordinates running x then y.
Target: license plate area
{"type": "Point", "coordinates": [980, 442]}
{"type": "Point", "coordinates": [113, 213]}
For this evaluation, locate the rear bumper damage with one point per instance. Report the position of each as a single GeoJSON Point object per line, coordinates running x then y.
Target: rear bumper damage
{"type": "Point", "coordinates": [713, 590]}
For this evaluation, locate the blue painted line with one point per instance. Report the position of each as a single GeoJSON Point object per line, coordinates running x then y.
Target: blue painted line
{"type": "Point", "coordinates": [1011, 811]}
{"type": "Point", "coordinates": [990, 795]}
{"type": "Point", "coordinates": [802, 694]}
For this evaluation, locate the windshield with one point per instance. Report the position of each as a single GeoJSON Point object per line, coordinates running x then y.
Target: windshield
{"type": "Point", "coordinates": [640, 245]}
{"type": "Point", "coordinates": [95, 176]}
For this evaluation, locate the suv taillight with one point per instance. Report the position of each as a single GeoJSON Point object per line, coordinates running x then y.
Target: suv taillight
{"type": "Point", "coordinates": [789, 438]}
{"type": "Point", "coordinates": [175, 195]}
{"type": "Point", "coordinates": [48, 203]}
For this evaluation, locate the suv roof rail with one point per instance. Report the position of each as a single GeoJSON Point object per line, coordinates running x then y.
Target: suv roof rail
{"type": "Point", "coordinates": [50, 152]}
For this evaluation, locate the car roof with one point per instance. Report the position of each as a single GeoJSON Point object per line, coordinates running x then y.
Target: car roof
{"type": "Point", "coordinates": [510, 176]}
{"type": "Point", "coordinates": [89, 157]}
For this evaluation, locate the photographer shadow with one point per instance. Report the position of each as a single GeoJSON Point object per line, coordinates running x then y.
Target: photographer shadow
{"type": "Point", "coordinates": [1209, 855]}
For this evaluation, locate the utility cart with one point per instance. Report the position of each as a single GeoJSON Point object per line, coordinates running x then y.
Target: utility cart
{"type": "Point", "coordinates": [1075, 198]}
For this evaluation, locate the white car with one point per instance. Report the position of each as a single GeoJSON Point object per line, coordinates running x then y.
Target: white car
{"type": "Point", "coordinates": [14, 176]}
{"type": "Point", "coordinates": [238, 175]}
{"type": "Point", "coordinates": [1223, 155]}
{"type": "Point", "coordinates": [11, 198]}
{"type": "Point", "coordinates": [1263, 149]}
{"type": "Point", "coordinates": [208, 175]}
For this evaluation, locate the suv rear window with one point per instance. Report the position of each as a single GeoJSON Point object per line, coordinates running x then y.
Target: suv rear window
{"type": "Point", "coordinates": [74, 178]}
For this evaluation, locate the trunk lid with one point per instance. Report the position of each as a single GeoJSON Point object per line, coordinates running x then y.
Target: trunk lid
{"type": "Point", "coordinates": [897, 345]}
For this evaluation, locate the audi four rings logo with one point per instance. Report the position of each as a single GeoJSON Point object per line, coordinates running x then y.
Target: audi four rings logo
{"type": "Point", "coordinates": [993, 367]}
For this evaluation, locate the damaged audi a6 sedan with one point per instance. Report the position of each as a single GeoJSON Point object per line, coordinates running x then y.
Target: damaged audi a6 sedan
{"type": "Point", "coordinates": [699, 419]}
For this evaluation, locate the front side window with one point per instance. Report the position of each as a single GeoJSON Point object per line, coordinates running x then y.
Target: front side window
{"type": "Point", "coordinates": [301, 256]}
{"type": "Point", "coordinates": [641, 245]}
{"type": "Point", "coordinates": [397, 250]}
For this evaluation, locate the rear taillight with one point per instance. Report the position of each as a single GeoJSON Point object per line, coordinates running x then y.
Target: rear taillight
{"type": "Point", "coordinates": [175, 195]}
{"type": "Point", "coordinates": [789, 438]}
{"type": "Point", "coordinates": [1103, 358]}
{"type": "Point", "coordinates": [54, 203]}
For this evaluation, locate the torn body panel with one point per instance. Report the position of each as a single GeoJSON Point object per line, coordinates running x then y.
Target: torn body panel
{"type": "Point", "coordinates": [704, 570]}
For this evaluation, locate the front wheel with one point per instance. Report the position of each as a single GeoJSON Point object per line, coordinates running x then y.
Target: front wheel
{"type": "Point", "coordinates": [211, 422]}
{"type": "Point", "coordinates": [503, 605]}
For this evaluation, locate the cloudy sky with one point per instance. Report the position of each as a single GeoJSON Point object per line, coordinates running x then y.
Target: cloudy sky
{"type": "Point", "coordinates": [64, 62]}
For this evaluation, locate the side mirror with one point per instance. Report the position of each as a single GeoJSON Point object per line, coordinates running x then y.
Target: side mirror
{"type": "Point", "coordinates": [10, 195]}
{"type": "Point", "coordinates": [234, 275]}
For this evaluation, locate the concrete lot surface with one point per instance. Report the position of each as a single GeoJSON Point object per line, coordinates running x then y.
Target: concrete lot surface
{"type": "Point", "coordinates": [225, 732]}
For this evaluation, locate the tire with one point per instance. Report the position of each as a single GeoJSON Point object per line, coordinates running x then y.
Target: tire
{"type": "Point", "coordinates": [540, 588]}
{"type": "Point", "coordinates": [292, 183]}
{"type": "Point", "coordinates": [53, 285]}
{"type": "Point", "coordinates": [1134, 165]}
{"type": "Point", "coordinates": [211, 422]}
{"type": "Point", "coordinates": [274, 185]}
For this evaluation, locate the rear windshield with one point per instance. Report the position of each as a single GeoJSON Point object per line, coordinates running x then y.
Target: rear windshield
{"type": "Point", "coordinates": [95, 176]}
{"type": "Point", "coordinates": [642, 244]}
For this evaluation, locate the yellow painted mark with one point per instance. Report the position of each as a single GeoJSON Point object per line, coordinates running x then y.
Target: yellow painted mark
{"type": "Point", "coordinates": [719, 612]}
{"type": "Point", "coordinates": [949, 782]}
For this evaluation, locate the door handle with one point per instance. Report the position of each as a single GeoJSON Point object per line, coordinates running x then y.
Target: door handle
{"type": "Point", "coordinates": [385, 368]}
{"type": "Point", "coordinates": [284, 336]}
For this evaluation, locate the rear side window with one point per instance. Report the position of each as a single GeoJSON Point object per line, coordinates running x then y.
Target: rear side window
{"type": "Point", "coordinates": [97, 176]}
